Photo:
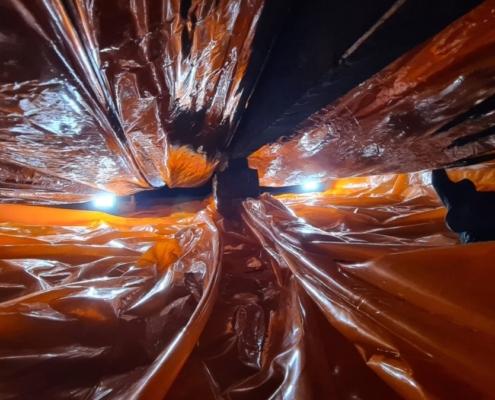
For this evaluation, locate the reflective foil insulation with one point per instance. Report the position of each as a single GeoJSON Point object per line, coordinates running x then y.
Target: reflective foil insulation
{"type": "Point", "coordinates": [355, 289]}
{"type": "Point", "coordinates": [398, 120]}
{"type": "Point", "coordinates": [118, 95]}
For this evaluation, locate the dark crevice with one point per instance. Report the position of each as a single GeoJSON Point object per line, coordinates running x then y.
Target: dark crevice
{"type": "Point", "coordinates": [473, 113]}
{"type": "Point", "coordinates": [465, 162]}
{"type": "Point", "coordinates": [186, 42]}
{"type": "Point", "coordinates": [462, 141]}
{"type": "Point", "coordinates": [185, 5]}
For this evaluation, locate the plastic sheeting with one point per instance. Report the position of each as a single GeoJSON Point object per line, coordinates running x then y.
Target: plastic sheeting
{"type": "Point", "coordinates": [356, 292]}
{"type": "Point", "coordinates": [86, 107]}
{"type": "Point", "coordinates": [397, 121]}
{"type": "Point", "coordinates": [174, 71]}
{"type": "Point", "coordinates": [56, 139]}
{"type": "Point", "coordinates": [96, 306]}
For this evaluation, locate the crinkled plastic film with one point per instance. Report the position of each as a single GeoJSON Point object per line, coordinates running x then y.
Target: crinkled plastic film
{"type": "Point", "coordinates": [375, 255]}
{"type": "Point", "coordinates": [55, 136]}
{"type": "Point", "coordinates": [267, 339]}
{"type": "Point", "coordinates": [87, 107]}
{"type": "Point", "coordinates": [418, 310]}
{"type": "Point", "coordinates": [356, 292]}
{"type": "Point", "coordinates": [175, 77]}
{"type": "Point", "coordinates": [96, 306]}
{"type": "Point", "coordinates": [397, 121]}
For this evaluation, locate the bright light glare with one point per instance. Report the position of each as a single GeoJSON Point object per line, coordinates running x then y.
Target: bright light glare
{"type": "Point", "coordinates": [104, 200]}
{"type": "Point", "coordinates": [310, 186]}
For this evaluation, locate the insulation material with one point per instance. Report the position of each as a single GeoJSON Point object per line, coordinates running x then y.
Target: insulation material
{"type": "Point", "coordinates": [56, 142]}
{"type": "Point", "coordinates": [397, 121]}
{"type": "Point", "coordinates": [92, 108]}
{"type": "Point", "coordinates": [174, 71]}
{"type": "Point", "coordinates": [356, 292]}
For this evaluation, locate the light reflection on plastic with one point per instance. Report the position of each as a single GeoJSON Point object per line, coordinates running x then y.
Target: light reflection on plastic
{"type": "Point", "coordinates": [104, 201]}
{"type": "Point", "coordinates": [310, 186]}
{"type": "Point", "coordinates": [116, 244]}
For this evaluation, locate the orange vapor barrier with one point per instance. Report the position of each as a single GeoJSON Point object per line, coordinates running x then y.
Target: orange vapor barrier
{"type": "Point", "coordinates": [97, 306]}
{"type": "Point", "coordinates": [87, 107]}
{"type": "Point", "coordinates": [356, 292]}
{"type": "Point", "coordinates": [397, 121]}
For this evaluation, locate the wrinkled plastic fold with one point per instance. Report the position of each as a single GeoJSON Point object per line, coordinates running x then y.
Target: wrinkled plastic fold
{"type": "Point", "coordinates": [419, 311]}
{"type": "Point", "coordinates": [174, 74]}
{"type": "Point", "coordinates": [97, 306]}
{"type": "Point", "coordinates": [55, 137]}
{"type": "Point", "coordinates": [118, 96]}
{"type": "Point", "coordinates": [359, 291]}
{"type": "Point", "coordinates": [398, 120]}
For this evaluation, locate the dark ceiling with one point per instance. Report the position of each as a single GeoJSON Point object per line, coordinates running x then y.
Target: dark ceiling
{"type": "Point", "coordinates": [325, 48]}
